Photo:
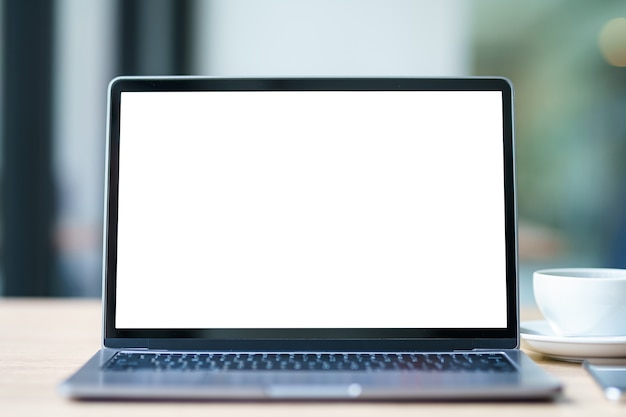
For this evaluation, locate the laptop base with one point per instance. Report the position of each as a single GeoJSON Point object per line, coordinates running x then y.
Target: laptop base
{"type": "Point", "coordinates": [91, 382]}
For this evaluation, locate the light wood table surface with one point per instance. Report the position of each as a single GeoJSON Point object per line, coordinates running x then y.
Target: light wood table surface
{"type": "Point", "coordinates": [42, 341]}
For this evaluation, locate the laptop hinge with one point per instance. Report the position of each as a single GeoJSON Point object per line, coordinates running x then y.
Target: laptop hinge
{"type": "Point", "coordinates": [484, 350]}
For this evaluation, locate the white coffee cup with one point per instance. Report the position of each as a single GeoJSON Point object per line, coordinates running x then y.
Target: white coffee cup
{"type": "Point", "coordinates": [582, 301]}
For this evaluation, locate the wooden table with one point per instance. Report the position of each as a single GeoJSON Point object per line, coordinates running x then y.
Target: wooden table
{"type": "Point", "coordinates": [42, 341]}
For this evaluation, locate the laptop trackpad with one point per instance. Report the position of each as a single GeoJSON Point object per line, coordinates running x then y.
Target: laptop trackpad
{"type": "Point", "coordinates": [305, 391]}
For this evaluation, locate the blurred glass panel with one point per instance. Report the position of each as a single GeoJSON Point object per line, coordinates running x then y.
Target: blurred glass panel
{"type": "Point", "coordinates": [1, 138]}
{"type": "Point", "coordinates": [571, 136]}
{"type": "Point", "coordinates": [329, 37]}
{"type": "Point", "coordinates": [84, 65]}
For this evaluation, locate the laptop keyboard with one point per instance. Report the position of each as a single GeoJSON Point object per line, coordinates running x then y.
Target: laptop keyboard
{"type": "Point", "coordinates": [458, 362]}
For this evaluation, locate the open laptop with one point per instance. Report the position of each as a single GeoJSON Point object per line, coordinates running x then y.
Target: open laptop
{"type": "Point", "coordinates": [310, 239]}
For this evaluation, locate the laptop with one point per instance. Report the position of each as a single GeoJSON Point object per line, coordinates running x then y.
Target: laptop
{"type": "Point", "coordinates": [310, 238]}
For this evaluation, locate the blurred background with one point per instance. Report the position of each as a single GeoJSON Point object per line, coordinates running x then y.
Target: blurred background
{"type": "Point", "coordinates": [566, 59]}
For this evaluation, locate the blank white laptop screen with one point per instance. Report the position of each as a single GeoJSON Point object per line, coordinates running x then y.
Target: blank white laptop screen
{"type": "Point", "coordinates": [311, 209]}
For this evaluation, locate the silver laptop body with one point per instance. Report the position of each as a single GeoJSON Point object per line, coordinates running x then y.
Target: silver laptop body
{"type": "Point", "coordinates": [250, 221]}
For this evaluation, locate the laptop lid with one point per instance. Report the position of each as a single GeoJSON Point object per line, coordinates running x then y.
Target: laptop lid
{"type": "Point", "coordinates": [310, 214]}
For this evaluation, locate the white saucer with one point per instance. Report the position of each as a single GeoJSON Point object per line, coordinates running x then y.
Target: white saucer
{"type": "Point", "coordinates": [539, 337]}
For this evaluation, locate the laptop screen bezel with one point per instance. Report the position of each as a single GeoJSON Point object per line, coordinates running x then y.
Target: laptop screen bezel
{"type": "Point", "coordinates": [307, 339]}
